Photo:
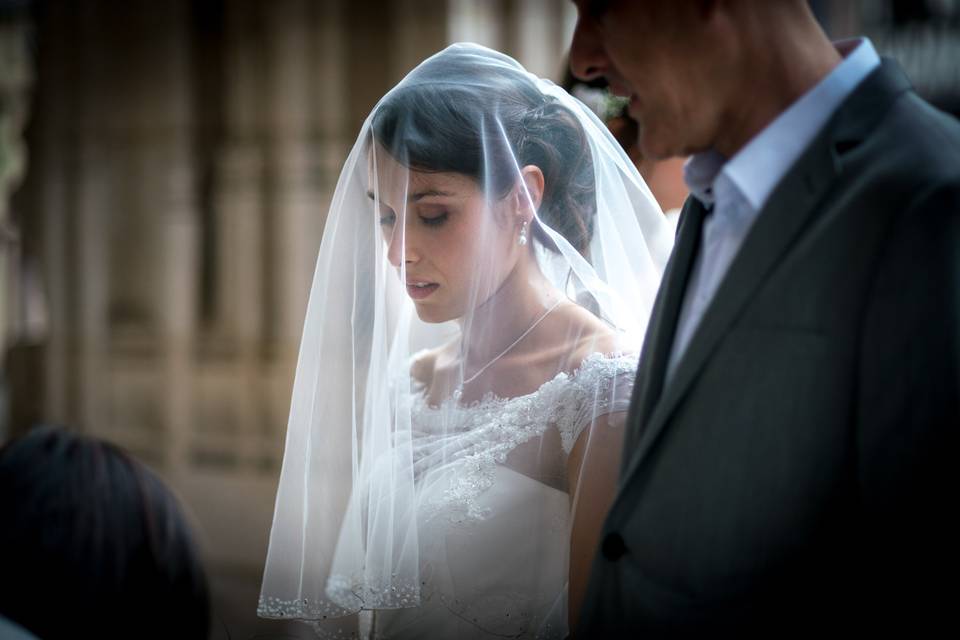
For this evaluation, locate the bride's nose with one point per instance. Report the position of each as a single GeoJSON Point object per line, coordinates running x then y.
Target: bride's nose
{"type": "Point", "coordinates": [400, 248]}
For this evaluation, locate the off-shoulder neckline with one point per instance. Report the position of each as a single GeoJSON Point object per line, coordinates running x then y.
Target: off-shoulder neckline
{"type": "Point", "coordinates": [418, 389]}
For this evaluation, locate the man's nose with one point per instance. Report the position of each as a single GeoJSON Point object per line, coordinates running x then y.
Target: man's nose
{"type": "Point", "coordinates": [588, 60]}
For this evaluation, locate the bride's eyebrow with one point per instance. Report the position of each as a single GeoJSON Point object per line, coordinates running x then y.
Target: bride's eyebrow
{"type": "Point", "coordinates": [420, 195]}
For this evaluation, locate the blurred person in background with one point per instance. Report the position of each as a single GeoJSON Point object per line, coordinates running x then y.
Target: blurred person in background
{"type": "Point", "coordinates": [93, 544]}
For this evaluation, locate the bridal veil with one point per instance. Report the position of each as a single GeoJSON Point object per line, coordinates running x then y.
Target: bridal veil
{"type": "Point", "coordinates": [486, 238]}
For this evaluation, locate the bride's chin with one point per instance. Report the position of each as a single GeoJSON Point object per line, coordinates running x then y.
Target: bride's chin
{"type": "Point", "coordinates": [433, 315]}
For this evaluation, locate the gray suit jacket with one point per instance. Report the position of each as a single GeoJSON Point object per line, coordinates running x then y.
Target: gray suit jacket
{"type": "Point", "coordinates": [795, 476]}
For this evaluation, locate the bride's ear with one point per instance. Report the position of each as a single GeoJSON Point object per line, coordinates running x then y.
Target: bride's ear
{"type": "Point", "coordinates": [530, 191]}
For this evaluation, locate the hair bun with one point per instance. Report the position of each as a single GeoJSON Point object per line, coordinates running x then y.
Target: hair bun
{"type": "Point", "coordinates": [554, 141]}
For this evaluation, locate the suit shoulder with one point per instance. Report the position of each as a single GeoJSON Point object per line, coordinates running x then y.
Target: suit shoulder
{"type": "Point", "coordinates": [924, 141]}
{"type": "Point", "coordinates": [912, 150]}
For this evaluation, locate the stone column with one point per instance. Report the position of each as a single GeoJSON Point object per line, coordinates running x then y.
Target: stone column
{"type": "Point", "coordinates": [369, 47]}
{"type": "Point", "coordinates": [538, 36]}
{"type": "Point", "coordinates": [91, 248]}
{"type": "Point", "coordinates": [241, 235]}
{"type": "Point", "coordinates": [331, 101]}
{"type": "Point", "coordinates": [420, 31]}
{"type": "Point", "coordinates": [170, 179]}
{"type": "Point", "coordinates": [238, 180]}
{"type": "Point", "coordinates": [568, 23]}
{"type": "Point", "coordinates": [53, 198]}
{"type": "Point", "coordinates": [476, 21]}
{"type": "Point", "coordinates": [292, 211]}
{"type": "Point", "coordinates": [542, 35]}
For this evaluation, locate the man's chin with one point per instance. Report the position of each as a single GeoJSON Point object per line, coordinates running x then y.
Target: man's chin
{"type": "Point", "coordinates": [659, 148]}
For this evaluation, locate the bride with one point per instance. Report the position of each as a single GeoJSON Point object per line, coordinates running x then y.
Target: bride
{"type": "Point", "coordinates": [488, 265]}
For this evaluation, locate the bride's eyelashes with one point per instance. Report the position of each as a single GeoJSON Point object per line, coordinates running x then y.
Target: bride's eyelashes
{"type": "Point", "coordinates": [389, 219]}
{"type": "Point", "coordinates": [435, 220]}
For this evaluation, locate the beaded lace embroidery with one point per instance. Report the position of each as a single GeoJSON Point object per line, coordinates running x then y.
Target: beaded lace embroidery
{"type": "Point", "coordinates": [486, 431]}
{"type": "Point", "coordinates": [494, 426]}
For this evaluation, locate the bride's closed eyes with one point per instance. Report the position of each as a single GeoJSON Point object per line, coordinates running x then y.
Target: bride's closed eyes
{"type": "Point", "coordinates": [434, 218]}
{"type": "Point", "coordinates": [430, 214]}
{"type": "Point", "coordinates": [389, 218]}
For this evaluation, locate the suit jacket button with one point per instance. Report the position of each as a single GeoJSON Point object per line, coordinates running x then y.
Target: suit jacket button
{"type": "Point", "coordinates": [613, 547]}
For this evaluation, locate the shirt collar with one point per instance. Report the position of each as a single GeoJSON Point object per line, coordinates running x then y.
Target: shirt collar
{"type": "Point", "coordinates": [759, 166]}
{"type": "Point", "coordinates": [700, 171]}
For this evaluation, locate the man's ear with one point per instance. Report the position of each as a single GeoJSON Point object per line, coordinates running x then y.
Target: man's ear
{"type": "Point", "coordinates": [530, 191]}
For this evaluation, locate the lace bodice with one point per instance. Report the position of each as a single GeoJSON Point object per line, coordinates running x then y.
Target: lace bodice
{"type": "Point", "coordinates": [492, 536]}
{"type": "Point", "coordinates": [487, 431]}
{"type": "Point", "coordinates": [493, 530]}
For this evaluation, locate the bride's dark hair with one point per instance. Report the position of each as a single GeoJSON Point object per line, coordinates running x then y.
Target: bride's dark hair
{"type": "Point", "coordinates": [459, 111]}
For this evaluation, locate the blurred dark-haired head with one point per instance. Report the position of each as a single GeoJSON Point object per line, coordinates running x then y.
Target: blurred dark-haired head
{"type": "Point", "coordinates": [94, 544]}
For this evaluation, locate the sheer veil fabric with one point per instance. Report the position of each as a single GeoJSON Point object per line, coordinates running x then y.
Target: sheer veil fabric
{"type": "Point", "coordinates": [489, 262]}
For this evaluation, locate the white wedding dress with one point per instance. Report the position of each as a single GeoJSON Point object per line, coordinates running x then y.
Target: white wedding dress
{"type": "Point", "coordinates": [476, 198]}
{"type": "Point", "coordinates": [494, 524]}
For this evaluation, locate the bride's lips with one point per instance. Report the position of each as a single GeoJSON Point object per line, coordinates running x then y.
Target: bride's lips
{"type": "Point", "coordinates": [421, 290]}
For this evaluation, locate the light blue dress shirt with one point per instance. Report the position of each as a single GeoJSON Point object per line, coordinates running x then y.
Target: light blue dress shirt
{"type": "Point", "coordinates": [738, 189]}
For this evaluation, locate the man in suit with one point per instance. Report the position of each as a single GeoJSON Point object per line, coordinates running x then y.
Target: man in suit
{"type": "Point", "coordinates": [787, 463]}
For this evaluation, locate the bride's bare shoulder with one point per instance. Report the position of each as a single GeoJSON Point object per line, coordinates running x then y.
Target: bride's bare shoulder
{"type": "Point", "coordinates": [422, 366]}
{"type": "Point", "coordinates": [590, 335]}
{"type": "Point", "coordinates": [425, 364]}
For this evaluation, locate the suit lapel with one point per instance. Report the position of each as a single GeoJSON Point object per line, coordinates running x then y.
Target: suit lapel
{"type": "Point", "coordinates": [774, 231]}
{"type": "Point", "coordinates": [663, 322]}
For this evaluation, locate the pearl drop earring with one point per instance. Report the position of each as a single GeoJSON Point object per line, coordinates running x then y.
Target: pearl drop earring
{"type": "Point", "coordinates": [522, 240]}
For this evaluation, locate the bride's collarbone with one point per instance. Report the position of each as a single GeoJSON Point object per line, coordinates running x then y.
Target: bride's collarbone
{"type": "Point", "coordinates": [511, 376]}
{"type": "Point", "coordinates": [560, 345]}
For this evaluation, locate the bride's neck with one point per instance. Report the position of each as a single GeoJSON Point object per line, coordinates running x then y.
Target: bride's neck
{"type": "Point", "coordinates": [523, 297]}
